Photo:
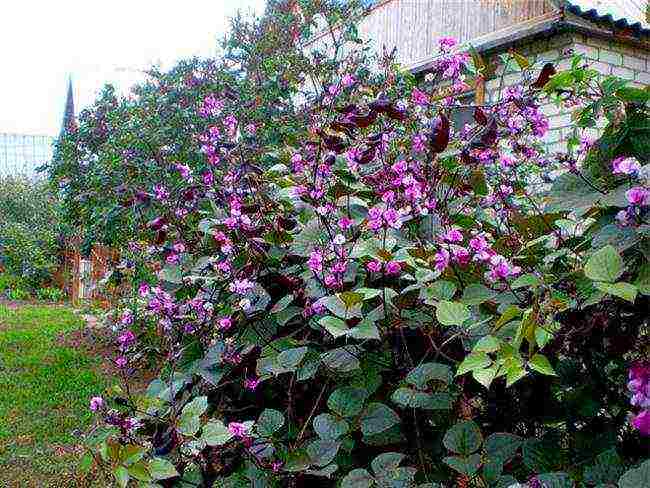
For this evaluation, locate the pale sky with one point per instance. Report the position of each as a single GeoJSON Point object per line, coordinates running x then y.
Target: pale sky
{"type": "Point", "coordinates": [43, 41]}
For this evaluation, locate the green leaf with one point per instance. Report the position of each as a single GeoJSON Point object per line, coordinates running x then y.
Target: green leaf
{"type": "Point", "coordinates": [556, 480]}
{"type": "Point", "coordinates": [422, 374]}
{"type": "Point", "coordinates": [357, 478]}
{"type": "Point", "coordinates": [140, 472]}
{"type": "Point", "coordinates": [526, 280]}
{"type": "Point", "coordinates": [636, 477]}
{"type": "Point", "coordinates": [439, 290]}
{"type": "Point", "coordinates": [487, 344]}
{"type": "Point", "coordinates": [215, 433]}
{"type": "Point", "coordinates": [269, 422]}
{"type": "Point", "coordinates": [486, 376]}
{"type": "Point", "coordinates": [161, 469]}
{"type": "Point", "coordinates": [508, 314]}
{"type": "Point", "coordinates": [343, 359]}
{"type": "Point", "coordinates": [347, 401]}
{"type": "Point", "coordinates": [386, 463]}
{"type": "Point", "coordinates": [290, 358]}
{"type": "Point", "coordinates": [464, 464]}
{"type": "Point", "coordinates": [86, 463]}
{"type": "Point", "coordinates": [476, 293]}
{"type": "Point", "coordinates": [327, 426]}
{"type": "Point", "coordinates": [189, 422]}
{"type": "Point", "coordinates": [378, 418]}
{"type": "Point", "coordinates": [541, 364]}
{"type": "Point", "coordinates": [541, 455]}
{"type": "Point", "coordinates": [463, 438]}
{"type": "Point", "coordinates": [623, 290]}
{"type": "Point", "coordinates": [121, 476]}
{"type": "Point", "coordinates": [502, 446]}
{"type": "Point", "coordinates": [643, 280]}
{"type": "Point", "coordinates": [282, 304]}
{"type": "Point", "coordinates": [334, 326]}
{"type": "Point", "coordinates": [365, 329]}
{"type": "Point", "coordinates": [604, 265]}
{"type": "Point", "coordinates": [514, 368]}
{"type": "Point", "coordinates": [451, 313]}
{"type": "Point", "coordinates": [475, 360]}
{"type": "Point", "coordinates": [323, 451]}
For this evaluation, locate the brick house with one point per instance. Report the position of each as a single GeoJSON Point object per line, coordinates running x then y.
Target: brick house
{"type": "Point", "coordinates": [613, 34]}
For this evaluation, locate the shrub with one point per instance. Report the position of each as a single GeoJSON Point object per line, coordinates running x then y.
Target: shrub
{"type": "Point", "coordinates": [29, 229]}
{"type": "Point", "coordinates": [372, 297]}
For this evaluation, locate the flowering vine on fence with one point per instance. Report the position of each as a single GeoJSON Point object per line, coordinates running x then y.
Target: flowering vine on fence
{"type": "Point", "coordinates": [338, 286]}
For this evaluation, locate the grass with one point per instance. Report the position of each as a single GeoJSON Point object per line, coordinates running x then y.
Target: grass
{"type": "Point", "coordinates": [45, 389]}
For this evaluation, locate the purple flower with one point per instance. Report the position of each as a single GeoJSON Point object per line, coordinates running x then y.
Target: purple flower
{"type": "Point", "coordinates": [638, 196]}
{"type": "Point", "coordinates": [251, 383]}
{"type": "Point", "coordinates": [625, 166]}
{"type": "Point", "coordinates": [225, 323]}
{"type": "Point", "coordinates": [315, 262]}
{"type": "Point", "coordinates": [127, 317]}
{"type": "Point", "coordinates": [96, 403]}
{"type": "Point", "coordinates": [126, 338]}
{"type": "Point", "coordinates": [642, 422]}
{"type": "Point", "coordinates": [345, 223]}
{"type": "Point", "coordinates": [639, 385]}
{"type": "Point", "coordinates": [442, 259]}
{"type": "Point", "coordinates": [453, 235]}
{"type": "Point", "coordinates": [184, 170]}
{"type": "Point", "coordinates": [393, 268]}
{"type": "Point", "coordinates": [143, 290]}
{"type": "Point", "coordinates": [241, 287]}
{"type": "Point", "coordinates": [447, 43]}
{"type": "Point", "coordinates": [374, 266]}
{"type": "Point", "coordinates": [237, 429]}
{"type": "Point", "coordinates": [418, 97]}
{"type": "Point", "coordinates": [348, 80]}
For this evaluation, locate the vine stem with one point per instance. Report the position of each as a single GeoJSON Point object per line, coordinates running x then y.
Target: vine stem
{"type": "Point", "coordinates": [313, 411]}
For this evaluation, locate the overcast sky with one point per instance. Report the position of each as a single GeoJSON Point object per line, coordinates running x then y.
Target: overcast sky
{"type": "Point", "coordinates": [42, 41]}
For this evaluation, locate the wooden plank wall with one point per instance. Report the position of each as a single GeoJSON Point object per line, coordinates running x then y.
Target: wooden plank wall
{"type": "Point", "coordinates": [414, 26]}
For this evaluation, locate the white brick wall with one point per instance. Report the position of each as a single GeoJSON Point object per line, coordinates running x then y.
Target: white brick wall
{"type": "Point", "coordinates": [608, 57]}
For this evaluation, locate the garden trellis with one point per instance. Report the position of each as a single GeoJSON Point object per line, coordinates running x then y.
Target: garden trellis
{"type": "Point", "coordinates": [22, 154]}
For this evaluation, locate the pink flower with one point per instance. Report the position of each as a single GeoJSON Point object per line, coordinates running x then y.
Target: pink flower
{"type": "Point", "coordinates": [143, 290]}
{"type": "Point", "coordinates": [418, 97]}
{"type": "Point", "coordinates": [241, 287]}
{"type": "Point", "coordinates": [126, 318]}
{"type": "Point", "coordinates": [374, 266]}
{"type": "Point", "coordinates": [315, 262]}
{"type": "Point", "coordinates": [642, 423]}
{"type": "Point", "coordinates": [126, 338]}
{"type": "Point", "coordinates": [393, 267]}
{"type": "Point", "coordinates": [160, 192]}
{"type": "Point", "coordinates": [121, 361]}
{"type": "Point", "coordinates": [184, 170]}
{"type": "Point", "coordinates": [224, 323]}
{"type": "Point", "coordinates": [639, 385]}
{"type": "Point", "coordinates": [453, 235]}
{"type": "Point", "coordinates": [237, 429]}
{"type": "Point", "coordinates": [251, 383]}
{"type": "Point", "coordinates": [447, 43]}
{"type": "Point", "coordinates": [348, 80]}
{"type": "Point", "coordinates": [345, 223]}
{"type": "Point", "coordinates": [400, 167]}
{"type": "Point", "coordinates": [442, 259]}
{"type": "Point", "coordinates": [96, 403]}
{"type": "Point", "coordinates": [638, 196]}
{"type": "Point", "coordinates": [461, 255]}
{"type": "Point", "coordinates": [625, 166]}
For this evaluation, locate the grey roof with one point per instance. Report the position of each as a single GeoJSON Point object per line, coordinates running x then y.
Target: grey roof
{"type": "Point", "coordinates": [623, 14]}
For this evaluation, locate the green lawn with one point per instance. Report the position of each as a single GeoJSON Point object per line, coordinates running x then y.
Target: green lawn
{"type": "Point", "coordinates": [45, 387]}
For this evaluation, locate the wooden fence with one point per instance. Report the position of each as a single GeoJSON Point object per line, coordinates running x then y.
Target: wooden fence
{"type": "Point", "coordinates": [80, 276]}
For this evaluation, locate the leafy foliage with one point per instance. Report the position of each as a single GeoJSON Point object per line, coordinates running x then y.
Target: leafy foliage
{"type": "Point", "coordinates": [344, 290]}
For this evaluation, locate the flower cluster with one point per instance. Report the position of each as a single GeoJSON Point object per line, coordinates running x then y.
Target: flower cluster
{"type": "Point", "coordinates": [639, 386]}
